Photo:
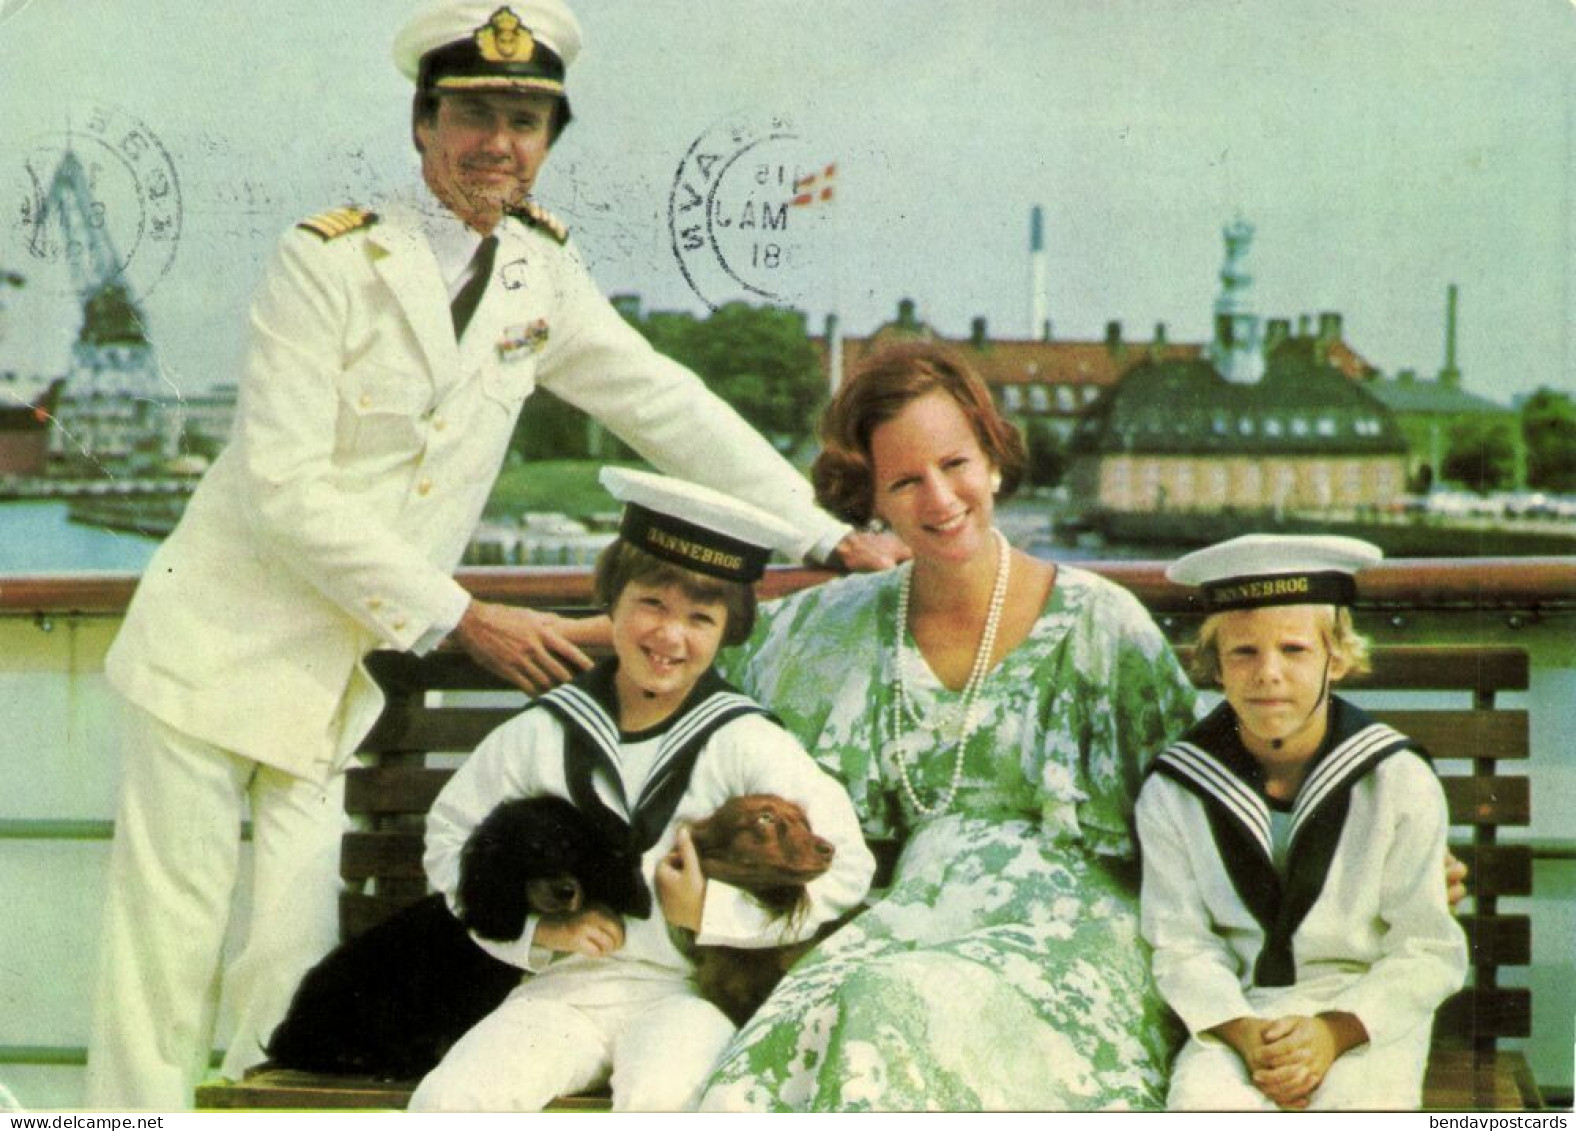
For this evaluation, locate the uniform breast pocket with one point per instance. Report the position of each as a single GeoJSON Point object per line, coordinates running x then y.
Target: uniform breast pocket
{"type": "Point", "coordinates": [381, 413]}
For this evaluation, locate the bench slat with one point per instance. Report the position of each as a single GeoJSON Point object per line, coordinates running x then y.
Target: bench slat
{"type": "Point", "coordinates": [274, 1089]}
{"type": "Point", "coordinates": [376, 855]}
{"type": "Point", "coordinates": [1450, 735]}
{"type": "Point", "coordinates": [1497, 869]}
{"type": "Point", "coordinates": [1445, 734]}
{"type": "Point", "coordinates": [435, 729]}
{"type": "Point", "coordinates": [1500, 800]}
{"type": "Point", "coordinates": [1503, 1011]}
{"type": "Point", "coordinates": [1498, 940]}
{"type": "Point", "coordinates": [383, 790]}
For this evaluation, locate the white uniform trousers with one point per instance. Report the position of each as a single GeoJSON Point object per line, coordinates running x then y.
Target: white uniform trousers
{"type": "Point", "coordinates": [656, 1047]}
{"type": "Point", "coordinates": [1209, 1075]}
{"type": "Point", "coordinates": [173, 872]}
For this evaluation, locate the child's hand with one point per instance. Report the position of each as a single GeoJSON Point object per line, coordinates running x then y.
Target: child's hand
{"type": "Point", "coordinates": [681, 885]}
{"type": "Point", "coordinates": [1298, 1051]}
{"type": "Point", "coordinates": [1245, 1035]}
{"type": "Point", "coordinates": [592, 932]}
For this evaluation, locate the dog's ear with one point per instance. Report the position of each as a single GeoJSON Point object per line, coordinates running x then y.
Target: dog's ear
{"type": "Point", "coordinates": [492, 889]}
{"type": "Point", "coordinates": [782, 900]}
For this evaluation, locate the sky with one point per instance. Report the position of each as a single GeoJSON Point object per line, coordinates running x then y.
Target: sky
{"type": "Point", "coordinates": [1381, 151]}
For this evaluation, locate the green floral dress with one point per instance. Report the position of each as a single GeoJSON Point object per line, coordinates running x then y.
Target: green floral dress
{"type": "Point", "coordinates": [1003, 969]}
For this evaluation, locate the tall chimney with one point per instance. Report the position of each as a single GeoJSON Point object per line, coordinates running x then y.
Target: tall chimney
{"type": "Point", "coordinates": [1039, 319]}
{"type": "Point", "coordinates": [977, 333]}
{"type": "Point", "coordinates": [1113, 339]}
{"type": "Point", "coordinates": [1450, 375]}
{"type": "Point", "coordinates": [834, 353]}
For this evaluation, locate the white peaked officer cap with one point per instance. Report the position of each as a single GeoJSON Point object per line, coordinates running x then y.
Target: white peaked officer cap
{"type": "Point", "coordinates": [694, 526]}
{"type": "Point", "coordinates": [489, 46]}
{"type": "Point", "coordinates": [1256, 570]}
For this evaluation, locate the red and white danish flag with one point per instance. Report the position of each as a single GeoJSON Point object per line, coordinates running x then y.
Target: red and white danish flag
{"type": "Point", "coordinates": [814, 188]}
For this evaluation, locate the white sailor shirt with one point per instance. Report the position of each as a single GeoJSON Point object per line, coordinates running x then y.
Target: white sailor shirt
{"type": "Point", "coordinates": [1359, 921]}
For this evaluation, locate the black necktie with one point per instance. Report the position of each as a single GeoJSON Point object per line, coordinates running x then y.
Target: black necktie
{"type": "Point", "coordinates": [470, 296]}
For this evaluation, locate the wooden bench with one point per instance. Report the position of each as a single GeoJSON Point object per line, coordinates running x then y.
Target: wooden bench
{"type": "Point", "coordinates": [1475, 742]}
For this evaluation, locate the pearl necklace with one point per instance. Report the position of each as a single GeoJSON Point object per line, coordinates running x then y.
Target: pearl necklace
{"type": "Point", "coordinates": [967, 716]}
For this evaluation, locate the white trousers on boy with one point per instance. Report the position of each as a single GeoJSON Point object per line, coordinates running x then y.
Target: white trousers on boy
{"type": "Point", "coordinates": [656, 1046]}
{"type": "Point", "coordinates": [173, 871]}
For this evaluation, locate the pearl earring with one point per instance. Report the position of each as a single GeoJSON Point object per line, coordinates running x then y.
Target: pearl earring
{"type": "Point", "coordinates": [995, 482]}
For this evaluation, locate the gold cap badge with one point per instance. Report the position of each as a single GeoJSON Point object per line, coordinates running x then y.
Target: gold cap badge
{"type": "Point", "coordinates": [503, 39]}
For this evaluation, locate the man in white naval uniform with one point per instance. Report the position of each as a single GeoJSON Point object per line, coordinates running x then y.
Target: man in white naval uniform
{"type": "Point", "coordinates": [390, 353]}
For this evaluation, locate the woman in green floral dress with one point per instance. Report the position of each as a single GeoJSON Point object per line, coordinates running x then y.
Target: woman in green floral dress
{"type": "Point", "coordinates": [994, 713]}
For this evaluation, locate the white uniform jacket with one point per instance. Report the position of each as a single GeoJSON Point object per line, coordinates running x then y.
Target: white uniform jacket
{"type": "Point", "coordinates": [366, 444]}
{"type": "Point", "coordinates": [1360, 921]}
{"type": "Point", "coordinates": [749, 753]}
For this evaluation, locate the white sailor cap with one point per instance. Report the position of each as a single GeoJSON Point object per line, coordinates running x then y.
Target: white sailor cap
{"type": "Point", "coordinates": [489, 46]}
{"type": "Point", "coordinates": [1256, 570]}
{"type": "Point", "coordinates": [694, 526]}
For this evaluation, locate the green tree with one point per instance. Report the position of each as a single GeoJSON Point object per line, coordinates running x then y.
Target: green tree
{"type": "Point", "coordinates": [1480, 454]}
{"type": "Point", "coordinates": [549, 428]}
{"type": "Point", "coordinates": [1548, 426]}
{"type": "Point", "coordinates": [757, 358]}
{"type": "Point", "coordinates": [1047, 456]}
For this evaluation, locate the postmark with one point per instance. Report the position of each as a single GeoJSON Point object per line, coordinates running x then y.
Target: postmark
{"type": "Point", "coordinates": [739, 223]}
{"type": "Point", "coordinates": [94, 199]}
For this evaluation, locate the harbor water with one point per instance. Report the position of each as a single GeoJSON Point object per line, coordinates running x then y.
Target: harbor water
{"type": "Point", "coordinates": [39, 537]}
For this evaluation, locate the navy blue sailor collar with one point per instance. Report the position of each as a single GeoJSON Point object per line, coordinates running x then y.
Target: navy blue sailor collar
{"type": "Point", "coordinates": [1211, 762]}
{"type": "Point", "coordinates": [587, 706]}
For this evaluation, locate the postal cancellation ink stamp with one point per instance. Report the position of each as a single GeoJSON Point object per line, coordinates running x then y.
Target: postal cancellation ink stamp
{"type": "Point", "coordinates": [98, 199]}
{"type": "Point", "coordinates": [740, 219]}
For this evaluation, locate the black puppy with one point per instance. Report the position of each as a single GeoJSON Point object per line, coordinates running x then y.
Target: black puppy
{"type": "Point", "coordinates": [390, 1002]}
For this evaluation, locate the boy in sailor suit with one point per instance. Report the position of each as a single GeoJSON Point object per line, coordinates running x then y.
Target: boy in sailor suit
{"type": "Point", "coordinates": [1290, 853]}
{"type": "Point", "coordinates": [643, 743]}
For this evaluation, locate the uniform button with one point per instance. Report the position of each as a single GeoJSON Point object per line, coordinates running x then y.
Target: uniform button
{"type": "Point", "coordinates": [439, 424]}
{"type": "Point", "coordinates": [365, 401]}
{"type": "Point", "coordinates": [424, 487]}
{"type": "Point", "coordinates": [399, 624]}
{"type": "Point", "coordinates": [374, 603]}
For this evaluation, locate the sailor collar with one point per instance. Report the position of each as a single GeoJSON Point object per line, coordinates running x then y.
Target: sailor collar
{"type": "Point", "coordinates": [1211, 762]}
{"type": "Point", "coordinates": [587, 707]}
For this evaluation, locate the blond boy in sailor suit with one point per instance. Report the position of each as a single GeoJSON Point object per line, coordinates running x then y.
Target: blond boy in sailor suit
{"type": "Point", "coordinates": [391, 351]}
{"type": "Point", "coordinates": [643, 743]}
{"type": "Point", "coordinates": [1290, 854]}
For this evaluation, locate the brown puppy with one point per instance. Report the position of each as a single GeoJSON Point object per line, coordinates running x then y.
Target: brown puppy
{"type": "Point", "coordinates": [764, 845]}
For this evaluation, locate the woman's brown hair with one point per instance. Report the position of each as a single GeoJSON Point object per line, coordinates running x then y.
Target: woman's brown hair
{"type": "Point", "coordinates": [883, 385]}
